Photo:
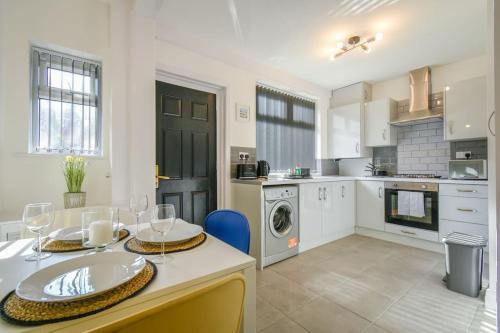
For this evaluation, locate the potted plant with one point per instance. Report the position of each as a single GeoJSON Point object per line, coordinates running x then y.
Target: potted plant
{"type": "Point", "coordinates": [74, 173]}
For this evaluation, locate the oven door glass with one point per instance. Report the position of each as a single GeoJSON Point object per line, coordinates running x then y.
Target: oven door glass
{"type": "Point", "coordinates": [429, 221]}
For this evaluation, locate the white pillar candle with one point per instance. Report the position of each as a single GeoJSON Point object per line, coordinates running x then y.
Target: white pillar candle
{"type": "Point", "coordinates": [100, 232]}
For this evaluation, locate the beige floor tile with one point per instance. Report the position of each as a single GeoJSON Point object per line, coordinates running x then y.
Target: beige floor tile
{"type": "Point", "coordinates": [484, 321]}
{"type": "Point", "coordinates": [286, 295]}
{"type": "Point", "coordinates": [322, 315]}
{"type": "Point", "coordinates": [284, 325]}
{"type": "Point", "coordinates": [384, 282]}
{"type": "Point", "coordinates": [429, 310]}
{"type": "Point", "coordinates": [351, 263]}
{"type": "Point", "coordinates": [375, 329]}
{"type": "Point", "coordinates": [359, 299]}
{"type": "Point", "coordinates": [266, 276]}
{"type": "Point", "coordinates": [266, 314]}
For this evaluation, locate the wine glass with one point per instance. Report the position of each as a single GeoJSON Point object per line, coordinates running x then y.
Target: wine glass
{"type": "Point", "coordinates": [36, 217]}
{"type": "Point", "coordinates": [138, 204]}
{"type": "Point", "coordinates": [163, 220]}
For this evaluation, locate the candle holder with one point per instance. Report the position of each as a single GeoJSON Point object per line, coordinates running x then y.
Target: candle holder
{"type": "Point", "coordinates": [99, 228]}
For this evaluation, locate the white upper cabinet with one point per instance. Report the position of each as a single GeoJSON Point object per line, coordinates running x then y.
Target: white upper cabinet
{"type": "Point", "coordinates": [465, 109]}
{"type": "Point", "coordinates": [346, 132]}
{"type": "Point", "coordinates": [378, 132]}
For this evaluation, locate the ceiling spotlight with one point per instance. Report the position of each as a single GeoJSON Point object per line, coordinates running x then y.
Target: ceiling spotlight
{"type": "Point", "coordinates": [354, 42]}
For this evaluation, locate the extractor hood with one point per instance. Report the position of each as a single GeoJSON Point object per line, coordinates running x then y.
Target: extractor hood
{"type": "Point", "coordinates": [419, 107]}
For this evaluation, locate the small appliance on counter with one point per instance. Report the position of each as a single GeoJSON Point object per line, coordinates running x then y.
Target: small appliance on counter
{"type": "Point", "coordinates": [375, 171]}
{"type": "Point", "coordinates": [299, 173]}
{"type": "Point", "coordinates": [263, 169]}
{"type": "Point", "coordinates": [246, 171]}
{"type": "Point", "coordinates": [468, 169]}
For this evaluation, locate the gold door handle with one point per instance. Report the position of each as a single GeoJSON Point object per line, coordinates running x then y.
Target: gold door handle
{"type": "Point", "coordinates": [158, 177]}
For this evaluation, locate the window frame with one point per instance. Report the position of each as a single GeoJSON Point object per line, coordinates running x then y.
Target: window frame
{"type": "Point", "coordinates": [34, 113]}
{"type": "Point", "coordinates": [290, 100]}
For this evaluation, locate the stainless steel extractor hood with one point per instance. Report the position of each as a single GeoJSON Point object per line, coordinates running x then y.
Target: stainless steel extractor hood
{"type": "Point", "coordinates": [418, 108]}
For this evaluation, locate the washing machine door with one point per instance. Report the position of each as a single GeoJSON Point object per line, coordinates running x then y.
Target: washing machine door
{"type": "Point", "coordinates": [281, 219]}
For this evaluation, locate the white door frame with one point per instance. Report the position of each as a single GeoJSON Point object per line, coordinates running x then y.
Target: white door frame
{"type": "Point", "coordinates": [221, 124]}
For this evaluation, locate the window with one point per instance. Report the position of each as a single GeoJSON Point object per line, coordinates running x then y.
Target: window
{"type": "Point", "coordinates": [66, 104]}
{"type": "Point", "coordinates": [285, 130]}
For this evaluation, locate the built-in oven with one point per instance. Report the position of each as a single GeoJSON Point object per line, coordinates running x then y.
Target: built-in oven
{"type": "Point", "coordinates": [417, 207]}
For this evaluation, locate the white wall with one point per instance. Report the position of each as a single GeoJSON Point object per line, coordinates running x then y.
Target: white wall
{"type": "Point", "coordinates": [441, 76]}
{"type": "Point", "coordinates": [79, 25]}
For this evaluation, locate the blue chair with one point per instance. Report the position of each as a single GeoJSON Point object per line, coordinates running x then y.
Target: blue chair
{"type": "Point", "coordinates": [230, 226]}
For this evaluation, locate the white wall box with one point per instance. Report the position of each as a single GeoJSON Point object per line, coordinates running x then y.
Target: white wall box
{"type": "Point", "coordinates": [378, 132]}
{"type": "Point", "coordinates": [370, 204]}
{"type": "Point", "coordinates": [326, 212]}
{"type": "Point", "coordinates": [346, 131]}
{"type": "Point", "coordinates": [465, 109]}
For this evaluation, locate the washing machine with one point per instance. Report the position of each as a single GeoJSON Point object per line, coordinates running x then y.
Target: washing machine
{"type": "Point", "coordinates": [281, 223]}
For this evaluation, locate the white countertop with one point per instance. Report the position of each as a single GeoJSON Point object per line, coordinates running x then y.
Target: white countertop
{"type": "Point", "coordinates": [320, 179]}
{"type": "Point", "coordinates": [210, 260]}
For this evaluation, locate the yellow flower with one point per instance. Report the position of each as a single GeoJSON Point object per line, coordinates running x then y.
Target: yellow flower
{"type": "Point", "coordinates": [69, 158]}
{"type": "Point", "coordinates": [80, 159]}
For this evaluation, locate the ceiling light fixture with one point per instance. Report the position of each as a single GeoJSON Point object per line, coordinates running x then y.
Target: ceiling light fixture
{"type": "Point", "coordinates": [354, 42]}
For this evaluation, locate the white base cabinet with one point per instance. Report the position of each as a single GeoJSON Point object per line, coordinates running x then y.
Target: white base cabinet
{"type": "Point", "coordinates": [326, 212]}
{"type": "Point", "coordinates": [370, 204]}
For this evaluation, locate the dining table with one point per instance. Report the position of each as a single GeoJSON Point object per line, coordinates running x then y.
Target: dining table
{"type": "Point", "coordinates": [186, 271]}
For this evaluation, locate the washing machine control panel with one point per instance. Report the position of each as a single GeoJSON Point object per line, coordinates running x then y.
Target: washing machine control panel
{"type": "Point", "coordinates": [278, 193]}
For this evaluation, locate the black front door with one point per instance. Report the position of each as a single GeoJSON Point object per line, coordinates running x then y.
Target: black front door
{"type": "Point", "coordinates": [186, 150]}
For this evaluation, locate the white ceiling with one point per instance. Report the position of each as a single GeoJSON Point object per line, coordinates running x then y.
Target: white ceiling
{"type": "Point", "coordinates": [295, 35]}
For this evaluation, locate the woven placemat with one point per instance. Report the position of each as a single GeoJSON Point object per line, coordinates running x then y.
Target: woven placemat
{"type": "Point", "coordinates": [136, 246]}
{"type": "Point", "coordinates": [18, 311]}
{"type": "Point", "coordinates": [58, 246]}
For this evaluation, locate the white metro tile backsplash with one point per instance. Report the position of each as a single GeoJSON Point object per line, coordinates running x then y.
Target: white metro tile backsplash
{"type": "Point", "coordinates": [422, 149]}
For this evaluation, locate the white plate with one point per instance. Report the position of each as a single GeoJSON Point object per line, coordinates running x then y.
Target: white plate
{"type": "Point", "coordinates": [71, 234]}
{"type": "Point", "coordinates": [182, 231]}
{"type": "Point", "coordinates": [81, 277]}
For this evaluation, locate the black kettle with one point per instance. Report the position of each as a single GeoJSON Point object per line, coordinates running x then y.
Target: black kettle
{"type": "Point", "coordinates": [263, 169]}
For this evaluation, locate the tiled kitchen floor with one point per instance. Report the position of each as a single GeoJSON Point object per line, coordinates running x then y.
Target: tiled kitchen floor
{"type": "Point", "coordinates": [361, 284]}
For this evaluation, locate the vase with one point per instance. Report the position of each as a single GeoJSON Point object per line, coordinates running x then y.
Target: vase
{"type": "Point", "coordinates": [74, 200]}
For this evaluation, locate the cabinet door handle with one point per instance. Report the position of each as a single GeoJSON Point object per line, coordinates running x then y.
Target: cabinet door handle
{"type": "Point", "coordinates": [408, 232]}
{"type": "Point", "coordinates": [324, 193]}
{"type": "Point", "coordinates": [343, 191]}
{"type": "Point", "coordinates": [380, 192]}
{"type": "Point", "coordinates": [467, 210]}
{"type": "Point", "coordinates": [466, 190]}
{"type": "Point", "coordinates": [357, 147]}
{"type": "Point", "coordinates": [384, 135]}
{"type": "Point", "coordinates": [450, 127]}
{"type": "Point", "coordinates": [489, 123]}
{"type": "Point", "coordinates": [319, 193]}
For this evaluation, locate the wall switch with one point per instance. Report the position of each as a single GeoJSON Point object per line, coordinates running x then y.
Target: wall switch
{"type": "Point", "coordinates": [461, 154]}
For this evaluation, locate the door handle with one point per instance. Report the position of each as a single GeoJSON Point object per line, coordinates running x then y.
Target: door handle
{"type": "Point", "coordinates": [380, 192]}
{"type": "Point", "coordinates": [489, 123]}
{"type": "Point", "coordinates": [450, 127]}
{"type": "Point", "coordinates": [342, 191]}
{"type": "Point", "coordinates": [158, 177]}
{"type": "Point", "coordinates": [384, 135]}
{"type": "Point", "coordinates": [408, 232]}
{"type": "Point", "coordinates": [467, 210]}
{"type": "Point", "coordinates": [466, 191]}
{"type": "Point", "coordinates": [357, 147]}
{"type": "Point", "coordinates": [324, 193]}
{"type": "Point", "coordinates": [319, 193]}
